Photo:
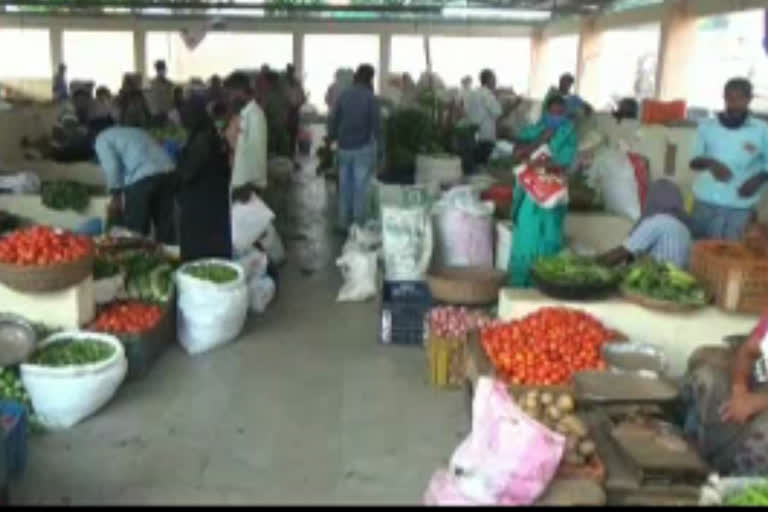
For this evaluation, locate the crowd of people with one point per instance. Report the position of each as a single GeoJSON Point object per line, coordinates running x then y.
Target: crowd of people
{"type": "Point", "coordinates": [230, 128]}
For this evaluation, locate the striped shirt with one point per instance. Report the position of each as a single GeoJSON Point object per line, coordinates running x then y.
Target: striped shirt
{"type": "Point", "coordinates": [664, 238]}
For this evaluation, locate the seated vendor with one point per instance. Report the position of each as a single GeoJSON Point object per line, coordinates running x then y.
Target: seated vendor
{"type": "Point", "coordinates": [731, 159]}
{"type": "Point", "coordinates": [539, 230]}
{"type": "Point", "coordinates": [663, 232]}
{"type": "Point", "coordinates": [727, 399]}
{"type": "Point", "coordinates": [71, 139]}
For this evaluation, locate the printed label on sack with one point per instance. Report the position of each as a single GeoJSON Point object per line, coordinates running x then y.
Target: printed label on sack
{"type": "Point", "coordinates": [386, 326]}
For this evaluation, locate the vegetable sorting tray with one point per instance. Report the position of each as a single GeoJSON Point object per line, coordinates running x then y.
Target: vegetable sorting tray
{"type": "Point", "coordinates": [665, 306]}
{"type": "Point", "coordinates": [597, 387]}
{"type": "Point", "coordinates": [582, 292]}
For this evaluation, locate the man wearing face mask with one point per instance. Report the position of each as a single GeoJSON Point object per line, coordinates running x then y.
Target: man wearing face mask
{"type": "Point", "coordinates": [249, 166]}
{"type": "Point", "coordinates": [731, 159]}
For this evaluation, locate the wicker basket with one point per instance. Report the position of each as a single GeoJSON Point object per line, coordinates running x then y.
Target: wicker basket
{"type": "Point", "coordinates": [469, 286]}
{"type": "Point", "coordinates": [46, 278]}
{"type": "Point", "coordinates": [736, 276]}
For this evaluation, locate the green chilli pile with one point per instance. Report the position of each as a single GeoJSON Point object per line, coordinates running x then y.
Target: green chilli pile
{"type": "Point", "coordinates": [70, 351]}
{"type": "Point", "coordinates": [214, 272]}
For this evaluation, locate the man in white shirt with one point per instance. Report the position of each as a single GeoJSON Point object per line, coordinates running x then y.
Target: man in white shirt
{"type": "Point", "coordinates": [249, 168]}
{"type": "Point", "coordinates": [484, 110]}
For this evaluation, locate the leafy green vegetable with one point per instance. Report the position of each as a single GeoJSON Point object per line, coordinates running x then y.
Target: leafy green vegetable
{"type": "Point", "coordinates": [212, 272]}
{"type": "Point", "coordinates": [573, 270]}
{"type": "Point", "coordinates": [72, 352]}
{"type": "Point", "coordinates": [753, 496]}
{"type": "Point", "coordinates": [11, 388]}
{"type": "Point", "coordinates": [665, 281]}
{"type": "Point", "coordinates": [66, 195]}
{"type": "Point", "coordinates": [103, 268]}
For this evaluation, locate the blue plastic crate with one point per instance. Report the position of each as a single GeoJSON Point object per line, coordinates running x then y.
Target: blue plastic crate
{"type": "Point", "coordinates": [403, 306]}
{"type": "Point", "coordinates": [13, 420]}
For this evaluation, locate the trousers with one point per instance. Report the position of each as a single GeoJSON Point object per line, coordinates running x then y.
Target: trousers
{"type": "Point", "coordinates": [355, 170]}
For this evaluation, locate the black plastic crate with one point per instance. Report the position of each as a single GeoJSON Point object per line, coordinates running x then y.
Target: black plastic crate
{"type": "Point", "coordinates": [403, 306]}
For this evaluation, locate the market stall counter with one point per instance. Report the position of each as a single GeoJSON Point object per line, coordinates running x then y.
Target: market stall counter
{"type": "Point", "coordinates": [679, 334]}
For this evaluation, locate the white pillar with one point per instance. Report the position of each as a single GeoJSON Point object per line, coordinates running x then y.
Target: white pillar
{"type": "Point", "coordinates": [298, 54]}
{"type": "Point", "coordinates": [385, 56]}
{"type": "Point", "coordinates": [538, 80]}
{"type": "Point", "coordinates": [678, 40]}
{"type": "Point", "coordinates": [55, 39]}
{"type": "Point", "coordinates": [588, 74]}
{"type": "Point", "coordinates": [140, 51]}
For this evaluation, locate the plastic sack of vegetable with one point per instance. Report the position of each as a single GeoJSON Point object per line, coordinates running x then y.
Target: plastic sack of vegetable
{"type": "Point", "coordinates": [62, 396]}
{"type": "Point", "coordinates": [212, 307]}
{"type": "Point", "coordinates": [508, 458]}
{"type": "Point", "coordinates": [613, 174]}
{"type": "Point", "coordinates": [406, 231]}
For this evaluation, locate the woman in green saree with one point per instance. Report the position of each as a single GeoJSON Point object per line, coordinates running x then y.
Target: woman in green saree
{"type": "Point", "coordinates": [538, 230]}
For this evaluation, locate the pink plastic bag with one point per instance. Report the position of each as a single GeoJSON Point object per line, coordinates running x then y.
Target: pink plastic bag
{"type": "Point", "coordinates": [508, 459]}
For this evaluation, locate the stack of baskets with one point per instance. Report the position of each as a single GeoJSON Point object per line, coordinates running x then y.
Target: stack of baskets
{"type": "Point", "coordinates": [734, 274]}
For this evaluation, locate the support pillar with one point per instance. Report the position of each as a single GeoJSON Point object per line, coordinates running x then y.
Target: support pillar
{"type": "Point", "coordinates": [298, 54]}
{"type": "Point", "coordinates": [55, 40]}
{"type": "Point", "coordinates": [540, 65]}
{"type": "Point", "coordinates": [678, 40]}
{"type": "Point", "coordinates": [588, 69]}
{"type": "Point", "coordinates": [385, 56]}
{"type": "Point", "coordinates": [140, 51]}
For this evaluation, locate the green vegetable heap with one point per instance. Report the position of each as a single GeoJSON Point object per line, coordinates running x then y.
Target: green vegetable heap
{"type": "Point", "coordinates": [664, 281]}
{"type": "Point", "coordinates": [148, 275]}
{"type": "Point", "coordinates": [72, 352]}
{"type": "Point", "coordinates": [573, 270]}
{"type": "Point", "coordinates": [103, 268]}
{"type": "Point", "coordinates": [66, 195]}
{"type": "Point", "coordinates": [212, 272]}
{"type": "Point", "coordinates": [13, 390]}
{"type": "Point", "coordinates": [753, 496]}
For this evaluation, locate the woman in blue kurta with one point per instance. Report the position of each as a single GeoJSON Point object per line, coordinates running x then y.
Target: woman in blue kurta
{"type": "Point", "coordinates": [538, 231]}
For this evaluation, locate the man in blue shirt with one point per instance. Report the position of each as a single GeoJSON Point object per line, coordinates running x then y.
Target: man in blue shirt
{"type": "Point", "coordinates": [354, 124]}
{"type": "Point", "coordinates": [731, 158]}
{"type": "Point", "coordinates": [138, 173]}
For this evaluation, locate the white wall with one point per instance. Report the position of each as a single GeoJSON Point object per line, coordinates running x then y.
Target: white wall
{"type": "Point", "coordinates": [102, 56]}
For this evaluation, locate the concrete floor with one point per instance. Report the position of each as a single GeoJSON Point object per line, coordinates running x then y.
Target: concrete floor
{"type": "Point", "coordinates": [305, 407]}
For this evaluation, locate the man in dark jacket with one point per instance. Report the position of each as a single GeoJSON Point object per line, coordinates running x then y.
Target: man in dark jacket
{"type": "Point", "coordinates": [354, 124]}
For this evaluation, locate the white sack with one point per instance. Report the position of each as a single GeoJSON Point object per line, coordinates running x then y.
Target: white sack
{"type": "Point", "coordinates": [465, 228]}
{"type": "Point", "coordinates": [359, 269]}
{"type": "Point", "coordinates": [249, 222]}
{"type": "Point", "coordinates": [273, 245]}
{"type": "Point", "coordinates": [210, 314]}
{"type": "Point", "coordinates": [407, 240]}
{"type": "Point", "coordinates": [108, 289]}
{"type": "Point", "coordinates": [262, 290]}
{"type": "Point", "coordinates": [65, 395]}
{"type": "Point", "coordinates": [613, 174]}
{"type": "Point", "coordinates": [254, 263]}
{"type": "Point", "coordinates": [20, 183]}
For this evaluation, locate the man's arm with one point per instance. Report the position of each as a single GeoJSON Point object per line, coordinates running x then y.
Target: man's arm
{"type": "Point", "coordinates": [375, 119]}
{"type": "Point", "coordinates": [743, 403]}
{"type": "Point", "coordinates": [702, 162]}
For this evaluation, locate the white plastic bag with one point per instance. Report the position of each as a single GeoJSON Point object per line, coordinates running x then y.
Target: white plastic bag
{"type": "Point", "coordinates": [262, 291]}
{"type": "Point", "coordinates": [359, 269]}
{"type": "Point", "coordinates": [210, 314]}
{"type": "Point", "coordinates": [254, 263]}
{"type": "Point", "coordinates": [108, 289]}
{"type": "Point", "coordinates": [273, 245]}
{"type": "Point", "coordinates": [718, 489]}
{"type": "Point", "coordinates": [249, 222]}
{"type": "Point", "coordinates": [407, 240]}
{"type": "Point", "coordinates": [465, 228]}
{"type": "Point", "coordinates": [504, 237]}
{"type": "Point", "coordinates": [65, 395]}
{"type": "Point", "coordinates": [508, 458]}
{"type": "Point", "coordinates": [612, 173]}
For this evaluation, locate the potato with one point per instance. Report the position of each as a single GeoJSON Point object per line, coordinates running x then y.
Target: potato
{"type": "Point", "coordinates": [546, 398]}
{"type": "Point", "coordinates": [574, 425]}
{"type": "Point", "coordinates": [574, 459]}
{"type": "Point", "coordinates": [562, 429]}
{"type": "Point", "coordinates": [587, 448]}
{"type": "Point", "coordinates": [565, 403]}
{"type": "Point", "coordinates": [571, 443]}
{"type": "Point", "coordinates": [554, 413]}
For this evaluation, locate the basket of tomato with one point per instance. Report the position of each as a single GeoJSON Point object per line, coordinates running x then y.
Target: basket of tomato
{"type": "Point", "coordinates": [144, 329]}
{"type": "Point", "coordinates": [546, 348]}
{"type": "Point", "coordinates": [43, 259]}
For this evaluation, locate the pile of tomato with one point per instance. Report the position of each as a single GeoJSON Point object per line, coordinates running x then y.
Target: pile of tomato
{"type": "Point", "coordinates": [129, 317]}
{"type": "Point", "coordinates": [547, 347]}
{"type": "Point", "coordinates": [42, 245]}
